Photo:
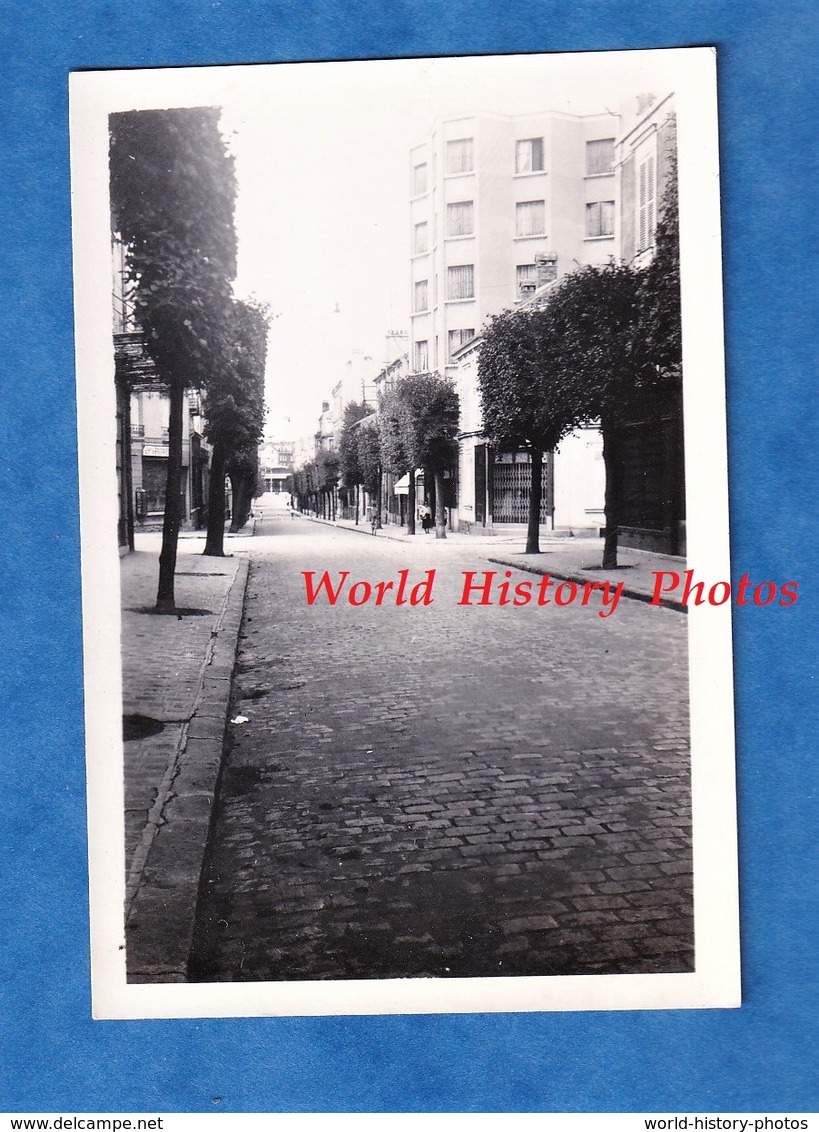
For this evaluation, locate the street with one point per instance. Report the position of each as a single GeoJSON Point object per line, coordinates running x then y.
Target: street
{"type": "Point", "coordinates": [440, 789]}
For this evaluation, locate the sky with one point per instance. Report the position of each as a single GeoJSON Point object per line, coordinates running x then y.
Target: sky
{"type": "Point", "coordinates": [322, 152]}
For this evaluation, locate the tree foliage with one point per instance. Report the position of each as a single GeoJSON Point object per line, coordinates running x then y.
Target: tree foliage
{"type": "Point", "coordinates": [349, 462]}
{"type": "Point", "coordinates": [532, 395]}
{"type": "Point", "coordinates": [394, 454]}
{"type": "Point", "coordinates": [605, 346]}
{"type": "Point", "coordinates": [173, 191]}
{"type": "Point", "coordinates": [234, 414]}
{"type": "Point", "coordinates": [327, 469]}
{"type": "Point", "coordinates": [368, 447]}
{"type": "Point", "coordinates": [314, 483]}
{"type": "Point", "coordinates": [594, 314]}
{"type": "Point", "coordinates": [429, 413]}
{"type": "Point", "coordinates": [530, 398]}
{"type": "Point", "coordinates": [418, 423]}
{"type": "Point", "coordinates": [234, 394]}
{"type": "Point", "coordinates": [660, 302]}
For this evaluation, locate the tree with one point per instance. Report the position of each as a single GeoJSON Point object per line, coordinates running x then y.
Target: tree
{"type": "Point", "coordinates": [420, 423]}
{"type": "Point", "coordinates": [327, 472]}
{"type": "Point", "coordinates": [595, 318]}
{"type": "Point", "coordinates": [348, 455]}
{"type": "Point", "coordinates": [660, 305]}
{"type": "Point", "coordinates": [368, 448]}
{"type": "Point", "coordinates": [531, 399]}
{"type": "Point", "coordinates": [302, 486]}
{"type": "Point", "coordinates": [393, 450]}
{"type": "Point", "coordinates": [173, 190]}
{"type": "Point", "coordinates": [621, 332]}
{"type": "Point", "coordinates": [234, 414]}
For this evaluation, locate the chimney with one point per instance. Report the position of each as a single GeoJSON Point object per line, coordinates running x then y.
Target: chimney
{"type": "Point", "coordinates": [546, 268]}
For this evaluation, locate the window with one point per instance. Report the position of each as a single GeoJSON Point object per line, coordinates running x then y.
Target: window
{"type": "Point", "coordinates": [525, 273]}
{"type": "Point", "coordinates": [421, 357]}
{"type": "Point", "coordinates": [421, 296]}
{"type": "Point", "coordinates": [459, 219]}
{"type": "Point", "coordinates": [599, 156]}
{"type": "Point", "coordinates": [420, 241]}
{"type": "Point", "coordinates": [459, 156]}
{"type": "Point", "coordinates": [529, 155]}
{"type": "Point", "coordinates": [461, 282]}
{"type": "Point", "coordinates": [646, 197]}
{"type": "Point", "coordinates": [457, 339]}
{"type": "Point", "coordinates": [419, 179]}
{"type": "Point", "coordinates": [530, 218]}
{"type": "Point", "coordinates": [600, 218]}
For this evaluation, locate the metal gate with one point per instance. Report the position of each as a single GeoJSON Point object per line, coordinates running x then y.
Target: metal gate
{"type": "Point", "coordinates": [512, 486]}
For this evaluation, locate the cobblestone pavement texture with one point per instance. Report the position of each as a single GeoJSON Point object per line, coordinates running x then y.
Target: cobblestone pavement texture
{"type": "Point", "coordinates": [445, 790]}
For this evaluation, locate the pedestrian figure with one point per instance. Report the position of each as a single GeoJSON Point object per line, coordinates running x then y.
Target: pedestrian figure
{"type": "Point", "coordinates": [374, 517]}
{"type": "Point", "coordinates": [426, 519]}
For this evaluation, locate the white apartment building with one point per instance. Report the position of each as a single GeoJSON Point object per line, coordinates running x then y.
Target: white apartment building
{"type": "Point", "coordinates": [497, 205]}
{"type": "Point", "coordinates": [500, 206]}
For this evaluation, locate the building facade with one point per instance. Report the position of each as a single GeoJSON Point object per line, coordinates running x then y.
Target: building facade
{"type": "Point", "coordinates": [276, 462]}
{"type": "Point", "coordinates": [499, 205]}
{"type": "Point", "coordinates": [651, 455]}
{"type": "Point", "coordinates": [500, 208]}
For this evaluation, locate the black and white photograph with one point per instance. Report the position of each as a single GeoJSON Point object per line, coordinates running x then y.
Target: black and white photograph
{"type": "Point", "coordinates": [406, 587]}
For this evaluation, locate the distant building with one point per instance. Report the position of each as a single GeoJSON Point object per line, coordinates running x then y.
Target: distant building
{"type": "Point", "coordinates": [326, 431]}
{"type": "Point", "coordinates": [276, 464]}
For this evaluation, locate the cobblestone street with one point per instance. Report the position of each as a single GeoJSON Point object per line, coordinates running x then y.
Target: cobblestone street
{"type": "Point", "coordinates": [445, 790]}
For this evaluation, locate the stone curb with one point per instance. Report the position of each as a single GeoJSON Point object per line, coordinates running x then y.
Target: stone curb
{"type": "Point", "coordinates": [362, 530]}
{"type": "Point", "coordinates": [385, 532]}
{"type": "Point", "coordinates": [160, 925]}
{"type": "Point", "coordinates": [580, 577]}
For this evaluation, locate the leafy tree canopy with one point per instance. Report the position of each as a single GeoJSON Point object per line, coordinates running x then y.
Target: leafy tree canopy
{"type": "Point", "coordinates": [660, 309]}
{"type": "Point", "coordinates": [594, 315]}
{"type": "Point", "coordinates": [368, 448]}
{"type": "Point", "coordinates": [327, 469]}
{"type": "Point", "coordinates": [393, 451]}
{"type": "Point", "coordinates": [173, 190]}
{"type": "Point", "coordinates": [234, 397]}
{"type": "Point", "coordinates": [349, 464]}
{"type": "Point", "coordinates": [530, 397]}
{"type": "Point", "coordinates": [419, 423]}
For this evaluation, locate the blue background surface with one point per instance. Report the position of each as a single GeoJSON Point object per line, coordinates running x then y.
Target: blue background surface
{"type": "Point", "coordinates": [762, 1057]}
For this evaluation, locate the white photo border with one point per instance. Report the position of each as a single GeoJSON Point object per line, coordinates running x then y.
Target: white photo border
{"type": "Point", "coordinates": [716, 980]}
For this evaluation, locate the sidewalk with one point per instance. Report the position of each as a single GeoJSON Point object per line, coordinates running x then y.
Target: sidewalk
{"type": "Point", "coordinates": [176, 688]}
{"type": "Point", "coordinates": [561, 556]}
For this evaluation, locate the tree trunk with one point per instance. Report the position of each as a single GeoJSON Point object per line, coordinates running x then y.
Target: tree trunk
{"type": "Point", "coordinates": [440, 517]}
{"type": "Point", "coordinates": [612, 499]}
{"type": "Point", "coordinates": [215, 539]}
{"type": "Point", "coordinates": [411, 502]}
{"type": "Point", "coordinates": [165, 600]}
{"type": "Point", "coordinates": [357, 503]}
{"type": "Point", "coordinates": [243, 487]}
{"type": "Point", "coordinates": [535, 496]}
